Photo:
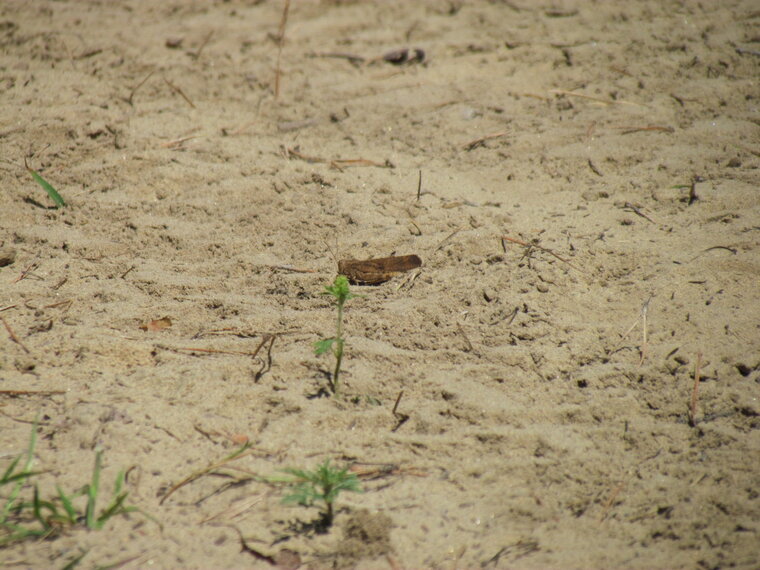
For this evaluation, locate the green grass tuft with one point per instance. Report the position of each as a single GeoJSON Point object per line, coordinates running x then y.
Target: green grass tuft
{"type": "Point", "coordinates": [52, 192]}
{"type": "Point", "coordinates": [43, 518]}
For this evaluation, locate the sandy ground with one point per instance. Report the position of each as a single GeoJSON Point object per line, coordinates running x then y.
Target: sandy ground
{"type": "Point", "coordinates": [547, 386]}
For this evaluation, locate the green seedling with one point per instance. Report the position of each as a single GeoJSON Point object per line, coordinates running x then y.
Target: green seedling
{"type": "Point", "coordinates": [321, 485]}
{"type": "Point", "coordinates": [52, 192]}
{"type": "Point", "coordinates": [340, 294]}
{"type": "Point", "coordinates": [43, 518]}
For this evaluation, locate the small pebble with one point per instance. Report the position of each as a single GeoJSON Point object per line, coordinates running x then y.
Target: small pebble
{"type": "Point", "coordinates": [7, 256]}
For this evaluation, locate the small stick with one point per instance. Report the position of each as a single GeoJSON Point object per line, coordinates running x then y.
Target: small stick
{"type": "Point", "coordinates": [266, 366]}
{"type": "Point", "coordinates": [544, 249]}
{"type": "Point", "coordinates": [179, 92]}
{"type": "Point", "coordinates": [401, 419]}
{"type": "Point", "coordinates": [280, 44]}
{"type": "Point", "coordinates": [216, 351]}
{"type": "Point", "coordinates": [68, 302]}
{"type": "Point", "coordinates": [292, 269]}
{"type": "Point", "coordinates": [446, 239]}
{"type": "Point", "coordinates": [243, 451]}
{"type": "Point", "coordinates": [23, 421]}
{"type": "Point", "coordinates": [419, 186]}
{"type": "Point", "coordinates": [704, 251]}
{"type": "Point", "coordinates": [597, 99]}
{"type": "Point", "coordinates": [466, 340]}
{"type": "Point", "coordinates": [334, 163]}
{"type": "Point", "coordinates": [398, 399]}
{"type": "Point", "coordinates": [637, 211]}
{"type": "Point", "coordinates": [695, 392]}
{"type": "Point", "coordinates": [132, 94]}
{"type": "Point", "coordinates": [339, 55]}
{"type": "Point", "coordinates": [479, 142]}
{"type": "Point", "coordinates": [179, 142]}
{"type": "Point", "coordinates": [693, 190]}
{"type": "Point", "coordinates": [743, 51]}
{"type": "Point", "coordinates": [34, 265]}
{"type": "Point", "coordinates": [594, 169]}
{"type": "Point", "coordinates": [642, 314]}
{"type": "Point", "coordinates": [15, 393]}
{"type": "Point", "coordinates": [13, 336]}
{"type": "Point", "coordinates": [338, 162]}
{"type": "Point", "coordinates": [629, 130]}
{"type": "Point", "coordinates": [609, 502]}
{"type": "Point", "coordinates": [645, 343]}
{"type": "Point", "coordinates": [197, 53]}
{"type": "Point", "coordinates": [8, 307]}
{"type": "Point", "coordinates": [290, 153]}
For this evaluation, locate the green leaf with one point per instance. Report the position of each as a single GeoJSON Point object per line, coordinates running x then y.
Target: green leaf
{"type": "Point", "coordinates": [67, 505]}
{"type": "Point", "coordinates": [52, 192]}
{"type": "Point", "coordinates": [339, 290]}
{"type": "Point", "coordinates": [322, 346]}
{"type": "Point", "coordinates": [92, 492]}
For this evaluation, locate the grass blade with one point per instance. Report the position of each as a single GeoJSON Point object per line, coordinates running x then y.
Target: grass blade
{"type": "Point", "coordinates": [114, 508]}
{"type": "Point", "coordinates": [20, 477]}
{"type": "Point", "coordinates": [7, 476]}
{"type": "Point", "coordinates": [67, 505]}
{"type": "Point", "coordinates": [52, 192]}
{"type": "Point", "coordinates": [92, 492]}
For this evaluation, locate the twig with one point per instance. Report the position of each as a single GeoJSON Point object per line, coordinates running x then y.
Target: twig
{"type": "Point", "coordinates": [609, 502]}
{"type": "Point", "coordinates": [704, 251]}
{"type": "Point", "coordinates": [176, 143]}
{"type": "Point", "coordinates": [8, 307]}
{"type": "Point", "coordinates": [266, 366]}
{"type": "Point", "coordinates": [280, 44]}
{"type": "Point", "coordinates": [287, 126]}
{"type": "Point", "coordinates": [594, 169]}
{"type": "Point", "coordinates": [479, 142]}
{"type": "Point", "coordinates": [13, 336]}
{"type": "Point", "coordinates": [446, 239]}
{"type": "Point", "coordinates": [466, 340]}
{"type": "Point", "coordinates": [355, 59]}
{"type": "Point", "coordinates": [16, 393]}
{"type": "Point", "coordinates": [642, 315]}
{"type": "Point", "coordinates": [198, 52]}
{"type": "Point", "coordinates": [419, 186]}
{"type": "Point", "coordinates": [637, 211]}
{"type": "Point", "coordinates": [244, 450]}
{"type": "Point", "coordinates": [693, 190]}
{"type": "Point", "coordinates": [597, 99]}
{"type": "Point", "coordinates": [334, 163]}
{"type": "Point", "coordinates": [401, 419]}
{"type": "Point", "coordinates": [529, 245]}
{"type": "Point", "coordinates": [343, 162]}
{"type": "Point", "coordinates": [132, 94]}
{"type": "Point", "coordinates": [629, 130]}
{"type": "Point", "coordinates": [292, 269]}
{"type": "Point", "coordinates": [695, 392]}
{"type": "Point", "coordinates": [742, 51]}
{"type": "Point", "coordinates": [179, 92]}
{"type": "Point", "coordinates": [216, 351]}
{"type": "Point", "coordinates": [32, 266]}
{"type": "Point", "coordinates": [645, 343]}
{"type": "Point", "coordinates": [35, 421]}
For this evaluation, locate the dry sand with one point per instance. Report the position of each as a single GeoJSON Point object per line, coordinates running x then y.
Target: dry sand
{"type": "Point", "coordinates": [547, 386]}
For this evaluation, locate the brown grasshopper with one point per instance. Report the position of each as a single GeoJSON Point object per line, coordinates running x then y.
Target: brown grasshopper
{"type": "Point", "coordinates": [376, 271]}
